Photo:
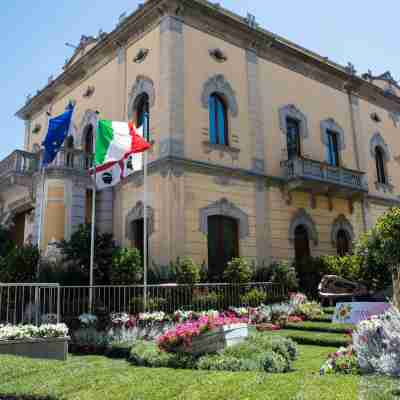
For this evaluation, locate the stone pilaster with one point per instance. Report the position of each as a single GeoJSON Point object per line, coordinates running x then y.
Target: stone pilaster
{"type": "Point", "coordinates": [171, 87]}
{"type": "Point", "coordinates": [254, 112]}
{"type": "Point", "coordinates": [104, 210]}
{"type": "Point", "coordinates": [27, 138]}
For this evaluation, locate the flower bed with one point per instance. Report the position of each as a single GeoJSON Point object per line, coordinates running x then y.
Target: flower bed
{"type": "Point", "coordinates": [199, 336]}
{"type": "Point", "coordinates": [46, 341]}
{"type": "Point", "coordinates": [258, 352]}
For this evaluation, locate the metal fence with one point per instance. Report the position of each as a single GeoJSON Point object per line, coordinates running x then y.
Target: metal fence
{"type": "Point", "coordinates": [167, 298]}
{"type": "Point", "coordinates": [29, 303]}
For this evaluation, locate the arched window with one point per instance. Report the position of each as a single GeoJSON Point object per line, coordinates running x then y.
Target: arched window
{"type": "Point", "coordinates": [223, 244]}
{"type": "Point", "coordinates": [333, 148]}
{"type": "Point", "coordinates": [293, 138]}
{"type": "Point", "coordinates": [301, 243]}
{"type": "Point", "coordinates": [88, 145]}
{"type": "Point", "coordinates": [342, 243]}
{"type": "Point", "coordinates": [143, 108]}
{"type": "Point", "coordinates": [218, 120]}
{"type": "Point", "coordinates": [380, 165]}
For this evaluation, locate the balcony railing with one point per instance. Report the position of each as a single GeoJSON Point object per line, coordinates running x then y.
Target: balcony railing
{"type": "Point", "coordinates": [315, 172]}
{"type": "Point", "coordinates": [18, 163]}
{"type": "Point", "coordinates": [24, 164]}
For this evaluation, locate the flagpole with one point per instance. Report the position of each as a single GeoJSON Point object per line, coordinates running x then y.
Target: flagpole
{"type": "Point", "coordinates": [41, 208]}
{"type": "Point", "coordinates": [145, 233]}
{"type": "Point", "coordinates": [92, 235]}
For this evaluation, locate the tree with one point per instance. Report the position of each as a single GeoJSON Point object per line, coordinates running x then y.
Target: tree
{"type": "Point", "coordinates": [76, 254]}
{"type": "Point", "coordinates": [380, 249]}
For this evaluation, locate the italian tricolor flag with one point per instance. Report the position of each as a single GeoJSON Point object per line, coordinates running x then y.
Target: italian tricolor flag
{"type": "Point", "coordinates": [116, 145]}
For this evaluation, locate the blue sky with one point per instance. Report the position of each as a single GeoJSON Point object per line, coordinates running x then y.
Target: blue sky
{"type": "Point", "coordinates": [33, 36]}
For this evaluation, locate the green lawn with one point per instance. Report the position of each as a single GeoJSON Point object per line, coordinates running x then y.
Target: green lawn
{"type": "Point", "coordinates": [101, 378]}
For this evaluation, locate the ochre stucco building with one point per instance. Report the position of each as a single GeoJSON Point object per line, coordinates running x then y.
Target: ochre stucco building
{"type": "Point", "coordinates": [262, 148]}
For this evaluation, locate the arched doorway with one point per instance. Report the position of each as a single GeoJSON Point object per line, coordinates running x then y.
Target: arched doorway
{"type": "Point", "coordinates": [223, 244]}
{"type": "Point", "coordinates": [301, 244]}
{"type": "Point", "coordinates": [342, 243]}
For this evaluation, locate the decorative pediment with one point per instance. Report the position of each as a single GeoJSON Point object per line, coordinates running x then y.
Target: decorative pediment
{"type": "Point", "coordinates": [137, 213]}
{"type": "Point", "coordinates": [378, 141]}
{"type": "Point", "coordinates": [331, 125]}
{"type": "Point", "coordinates": [227, 209]}
{"type": "Point", "coordinates": [142, 85]}
{"type": "Point", "coordinates": [341, 223]}
{"type": "Point", "coordinates": [291, 111]}
{"type": "Point", "coordinates": [218, 84]}
{"type": "Point", "coordinates": [302, 218]}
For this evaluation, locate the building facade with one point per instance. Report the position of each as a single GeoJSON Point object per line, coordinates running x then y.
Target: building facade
{"type": "Point", "coordinates": [261, 148]}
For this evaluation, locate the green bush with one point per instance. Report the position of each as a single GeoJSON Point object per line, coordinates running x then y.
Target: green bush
{"type": "Point", "coordinates": [20, 265]}
{"type": "Point", "coordinates": [206, 301]}
{"type": "Point", "coordinates": [276, 363]}
{"type": "Point", "coordinates": [159, 274]}
{"type": "Point", "coordinates": [76, 254]}
{"type": "Point", "coordinates": [187, 271]}
{"type": "Point", "coordinates": [136, 304]}
{"type": "Point", "coordinates": [310, 310]}
{"type": "Point", "coordinates": [238, 271]}
{"type": "Point", "coordinates": [216, 362]}
{"type": "Point", "coordinates": [127, 268]}
{"type": "Point", "coordinates": [147, 354]}
{"type": "Point", "coordinates": [347, 267]}
{"type": "Point", "coordinates": [285, 275]}
{"type": "Point", "coordinates": [253, 298]}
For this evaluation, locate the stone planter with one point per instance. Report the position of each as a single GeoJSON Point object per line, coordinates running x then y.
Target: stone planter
{"type": "Point", "coordinates": [211, 342]}
{"type": "Point", "coordinates": [48, 349]}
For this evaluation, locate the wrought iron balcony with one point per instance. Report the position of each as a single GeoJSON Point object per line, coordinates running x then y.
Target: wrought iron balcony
{"type": "Point", "coordinates": [306, 174]}
{"type": "Point", "coordinates": [18, 168]}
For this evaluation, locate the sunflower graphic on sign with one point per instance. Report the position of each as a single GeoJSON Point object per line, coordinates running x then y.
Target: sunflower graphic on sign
{"type": "Point", "coordinates": [344, 312]}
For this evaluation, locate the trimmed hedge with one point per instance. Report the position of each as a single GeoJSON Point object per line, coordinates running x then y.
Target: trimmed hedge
{"type": "Point", "coordinates": [329, 310]}
{"type": "Point", "coordinates": [315, 338]}
{"type": "Point", "coordinates": [327, 327]}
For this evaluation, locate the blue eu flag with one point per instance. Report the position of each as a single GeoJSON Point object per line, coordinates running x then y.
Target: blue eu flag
{"type": "Point", "coordinates": [56, 134]}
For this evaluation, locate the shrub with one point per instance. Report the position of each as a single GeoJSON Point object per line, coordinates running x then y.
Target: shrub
{"type": "Point", "coordinates": [187, 271]}
{"type": "Point", "coordinates": [20, 264]}
{"type": "Point", "coordinates": [262, 273]}
{"type": "Point", "coordinates": [348, 267]}
{"type": "Point", "coordinates": [206, 301]}
{"type": "Point", "coordinates": [158, 274]}
{"type": "Point", "coordinates": [285, 275]}
{"type": "Point", "coordinates": [310, 310]}
{"type": "Point", "coordinates": [147, 354]}
{"type": "Point", "coordinates": [136, 304]}
{"type": "Point", "coordinates": [253, 298]}
{"type": "Point", "coordinates": [238, 271]}
{"type": "Point", "coordinates": [76, 254]}
{"type": "Point", "coordinates": [276, 363]}
{"type": "Point", "coordinates": [127, 267]}
{"type": "Point", "coordinates": [226, 363]}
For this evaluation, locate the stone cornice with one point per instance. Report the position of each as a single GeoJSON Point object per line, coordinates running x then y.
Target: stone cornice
{"type": "Point", "coordinates": [222, 23]}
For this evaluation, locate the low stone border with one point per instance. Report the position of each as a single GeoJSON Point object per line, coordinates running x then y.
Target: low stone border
{"type": "Point", "coordinates": [47, 349]}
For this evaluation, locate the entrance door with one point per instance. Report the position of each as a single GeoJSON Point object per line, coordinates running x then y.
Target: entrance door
{"type": "Point", "coordinates": [223, 244]}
